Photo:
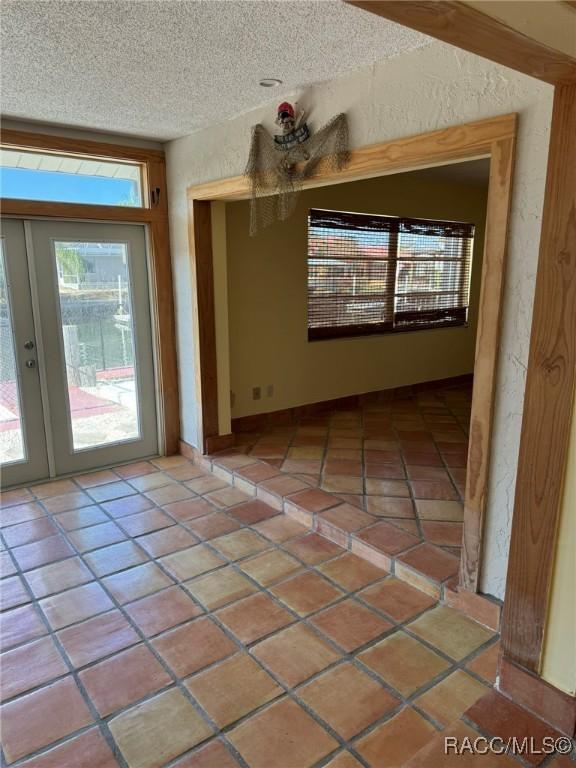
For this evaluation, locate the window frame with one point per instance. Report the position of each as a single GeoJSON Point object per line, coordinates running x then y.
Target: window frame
{"type": "Point", "coordinates": [153, 214]}
{"type": "Point", "coordinates": [393, 226]}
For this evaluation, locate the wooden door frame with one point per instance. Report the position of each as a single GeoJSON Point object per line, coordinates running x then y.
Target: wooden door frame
{"type": "Point", "coordinates": [154, 214]}
{"type": "Point", "coordinates": [493, 138]}
{"type": "Point", "coordinates": [551, 374]}
{"type": "Point", "coordinates": [548, 402]}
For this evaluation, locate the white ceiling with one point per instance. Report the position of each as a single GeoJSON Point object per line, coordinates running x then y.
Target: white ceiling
{"type": "Point", "coordinates": [164, 68]}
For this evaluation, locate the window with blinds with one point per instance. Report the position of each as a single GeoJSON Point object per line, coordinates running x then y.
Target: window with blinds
{"type": "Point", "coordinates": [372, 274]}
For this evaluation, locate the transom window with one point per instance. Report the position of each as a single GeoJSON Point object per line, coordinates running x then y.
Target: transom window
{"type": "Point", "coordinates": [370, 274]}
{"type": "Point", "coordinates": [57, 177]}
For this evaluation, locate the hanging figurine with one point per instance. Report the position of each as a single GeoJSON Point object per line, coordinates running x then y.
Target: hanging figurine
{"type": "Point", "coordinates": [294, 130]}
{"type": "Point", "coordinates": [278, 165]}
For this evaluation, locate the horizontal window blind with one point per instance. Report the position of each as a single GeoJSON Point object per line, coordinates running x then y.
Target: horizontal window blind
{"type": "Point", "coordinates": [381, 274]}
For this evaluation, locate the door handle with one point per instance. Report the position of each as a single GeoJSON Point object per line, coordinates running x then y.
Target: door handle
{"type": "Point", "coordinates": [31, 363]}
{"type": "Point", "coordinates": [29, 344]}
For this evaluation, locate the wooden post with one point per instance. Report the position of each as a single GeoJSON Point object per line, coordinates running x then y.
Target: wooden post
{"type": "Point", "coordinates": [549, 400]}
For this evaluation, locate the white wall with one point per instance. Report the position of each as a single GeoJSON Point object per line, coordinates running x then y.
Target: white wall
{"type": "Point", "coordinates": [431, 88]}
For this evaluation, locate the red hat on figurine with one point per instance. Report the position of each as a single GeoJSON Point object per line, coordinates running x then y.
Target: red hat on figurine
{"type": "Point", "coordinates": [286, 107]}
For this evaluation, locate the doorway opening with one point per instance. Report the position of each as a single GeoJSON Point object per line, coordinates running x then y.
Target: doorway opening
{"type": "Point", "coordinates": [352, 336]}
{"type": "Point", "coordinates": [493, 138]}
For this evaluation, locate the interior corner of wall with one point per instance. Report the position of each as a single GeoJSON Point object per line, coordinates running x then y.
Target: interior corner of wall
{"type": "Point", "coordinates": [220, 266]}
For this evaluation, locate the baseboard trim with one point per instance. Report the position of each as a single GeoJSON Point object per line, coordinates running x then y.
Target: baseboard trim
{"type": "Point", "coordinates": [213, 445]}
{"type": "Point", "coordinates": [189, 451]}
{"type": "Point", "coordinates": [219, 443]}
{"type": "Point", "coordinates": [481, 608]}
{"type": "Point", "coordinates": [550, 704]}
{"type": "Point", "coordinates": [291, 415]}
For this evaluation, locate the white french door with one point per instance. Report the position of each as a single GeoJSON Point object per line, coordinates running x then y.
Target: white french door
{"type": "Point", "coordinates": [23, 449]}
{"type": "Point", "coordinates": [77, 386]}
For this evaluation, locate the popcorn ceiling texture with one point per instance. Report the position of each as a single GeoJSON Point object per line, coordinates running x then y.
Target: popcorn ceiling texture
{"type": "Point", "coordinates": [434, 87]}
{"type": "Point", "coordinates": [164, 69]}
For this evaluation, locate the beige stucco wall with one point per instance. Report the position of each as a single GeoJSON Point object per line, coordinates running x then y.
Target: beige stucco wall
{"type": "Point", "coordinates": [428, 89]}
{"type": "Point", "coordinates": [267, 293]}
{"type": "Point", "coordinates": [559, 657]}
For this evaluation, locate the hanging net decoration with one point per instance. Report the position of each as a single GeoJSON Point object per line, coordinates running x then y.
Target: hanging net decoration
{"type": "Point", "coordinates": [278, 165]}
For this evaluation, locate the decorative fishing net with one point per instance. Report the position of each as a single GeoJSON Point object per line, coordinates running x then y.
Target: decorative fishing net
{"type": "Point", "coordinates": [276, 175]}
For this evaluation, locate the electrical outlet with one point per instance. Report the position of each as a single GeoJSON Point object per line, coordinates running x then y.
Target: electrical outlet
{"type": "Point", "coordinates": [270, 390]}
{"type": "Point", "coordinates": [256, 393]}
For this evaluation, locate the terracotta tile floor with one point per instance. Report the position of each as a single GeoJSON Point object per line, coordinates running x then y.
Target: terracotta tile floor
{"type": "Point", "coordinates": [401, 460]}
{"type": "Point", "coordinates": [146, 625]}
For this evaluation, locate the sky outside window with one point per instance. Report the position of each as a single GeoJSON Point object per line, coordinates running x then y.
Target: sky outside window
{"type": "Point", "coordinates": [60, 178]}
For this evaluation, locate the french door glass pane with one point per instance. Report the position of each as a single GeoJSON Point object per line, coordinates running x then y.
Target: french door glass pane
{"type": "Point", "coordinates": [12, 446]}
{"type": "Point", "coordinates": [98, 339]}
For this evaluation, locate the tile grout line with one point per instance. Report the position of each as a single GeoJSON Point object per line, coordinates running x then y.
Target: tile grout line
{"type": "Point", "coordinates": [104, 721]}
{"type": "Point", "coordinates": [422, 416]}
{"type": "Point", "coordinates": [181, 524]}
{"type": "Point", "coordinates": [52, 633]}
{"type": "Point", "coordinates": [408, 701]}
{"type": "Point", "coordinates": [128, 618]}
{"type": "Point", "coordinates": [74, 673]}
{"type": "Point", "coordinates": [351, 536]}
{"type": "Point", "coordinates": [308, 566]}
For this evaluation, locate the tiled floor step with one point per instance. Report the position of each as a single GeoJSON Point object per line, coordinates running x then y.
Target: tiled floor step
{"type": "Point", "coordinates": [492, 716]}
{"type": "Point", "coordinates": [398, 455]}
{"type": "Point", "coordinates": [175, 620]}
{"type": "Point", "coordinates": [394, 546]}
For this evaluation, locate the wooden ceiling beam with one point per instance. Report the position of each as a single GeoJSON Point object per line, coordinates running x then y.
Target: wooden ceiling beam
{"type": "Point", "coordinates": [467, 28]}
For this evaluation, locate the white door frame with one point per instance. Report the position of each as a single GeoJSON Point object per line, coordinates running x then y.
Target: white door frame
{"type": "Point", "coordinates": [54, 469]}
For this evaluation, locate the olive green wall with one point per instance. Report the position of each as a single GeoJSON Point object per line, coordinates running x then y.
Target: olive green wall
{"type": "Point", "coordinates": [267, 295]}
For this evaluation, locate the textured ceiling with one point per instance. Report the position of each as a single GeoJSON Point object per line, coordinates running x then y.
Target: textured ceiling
{"type": "Point", "coordinates": [164, 68]}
